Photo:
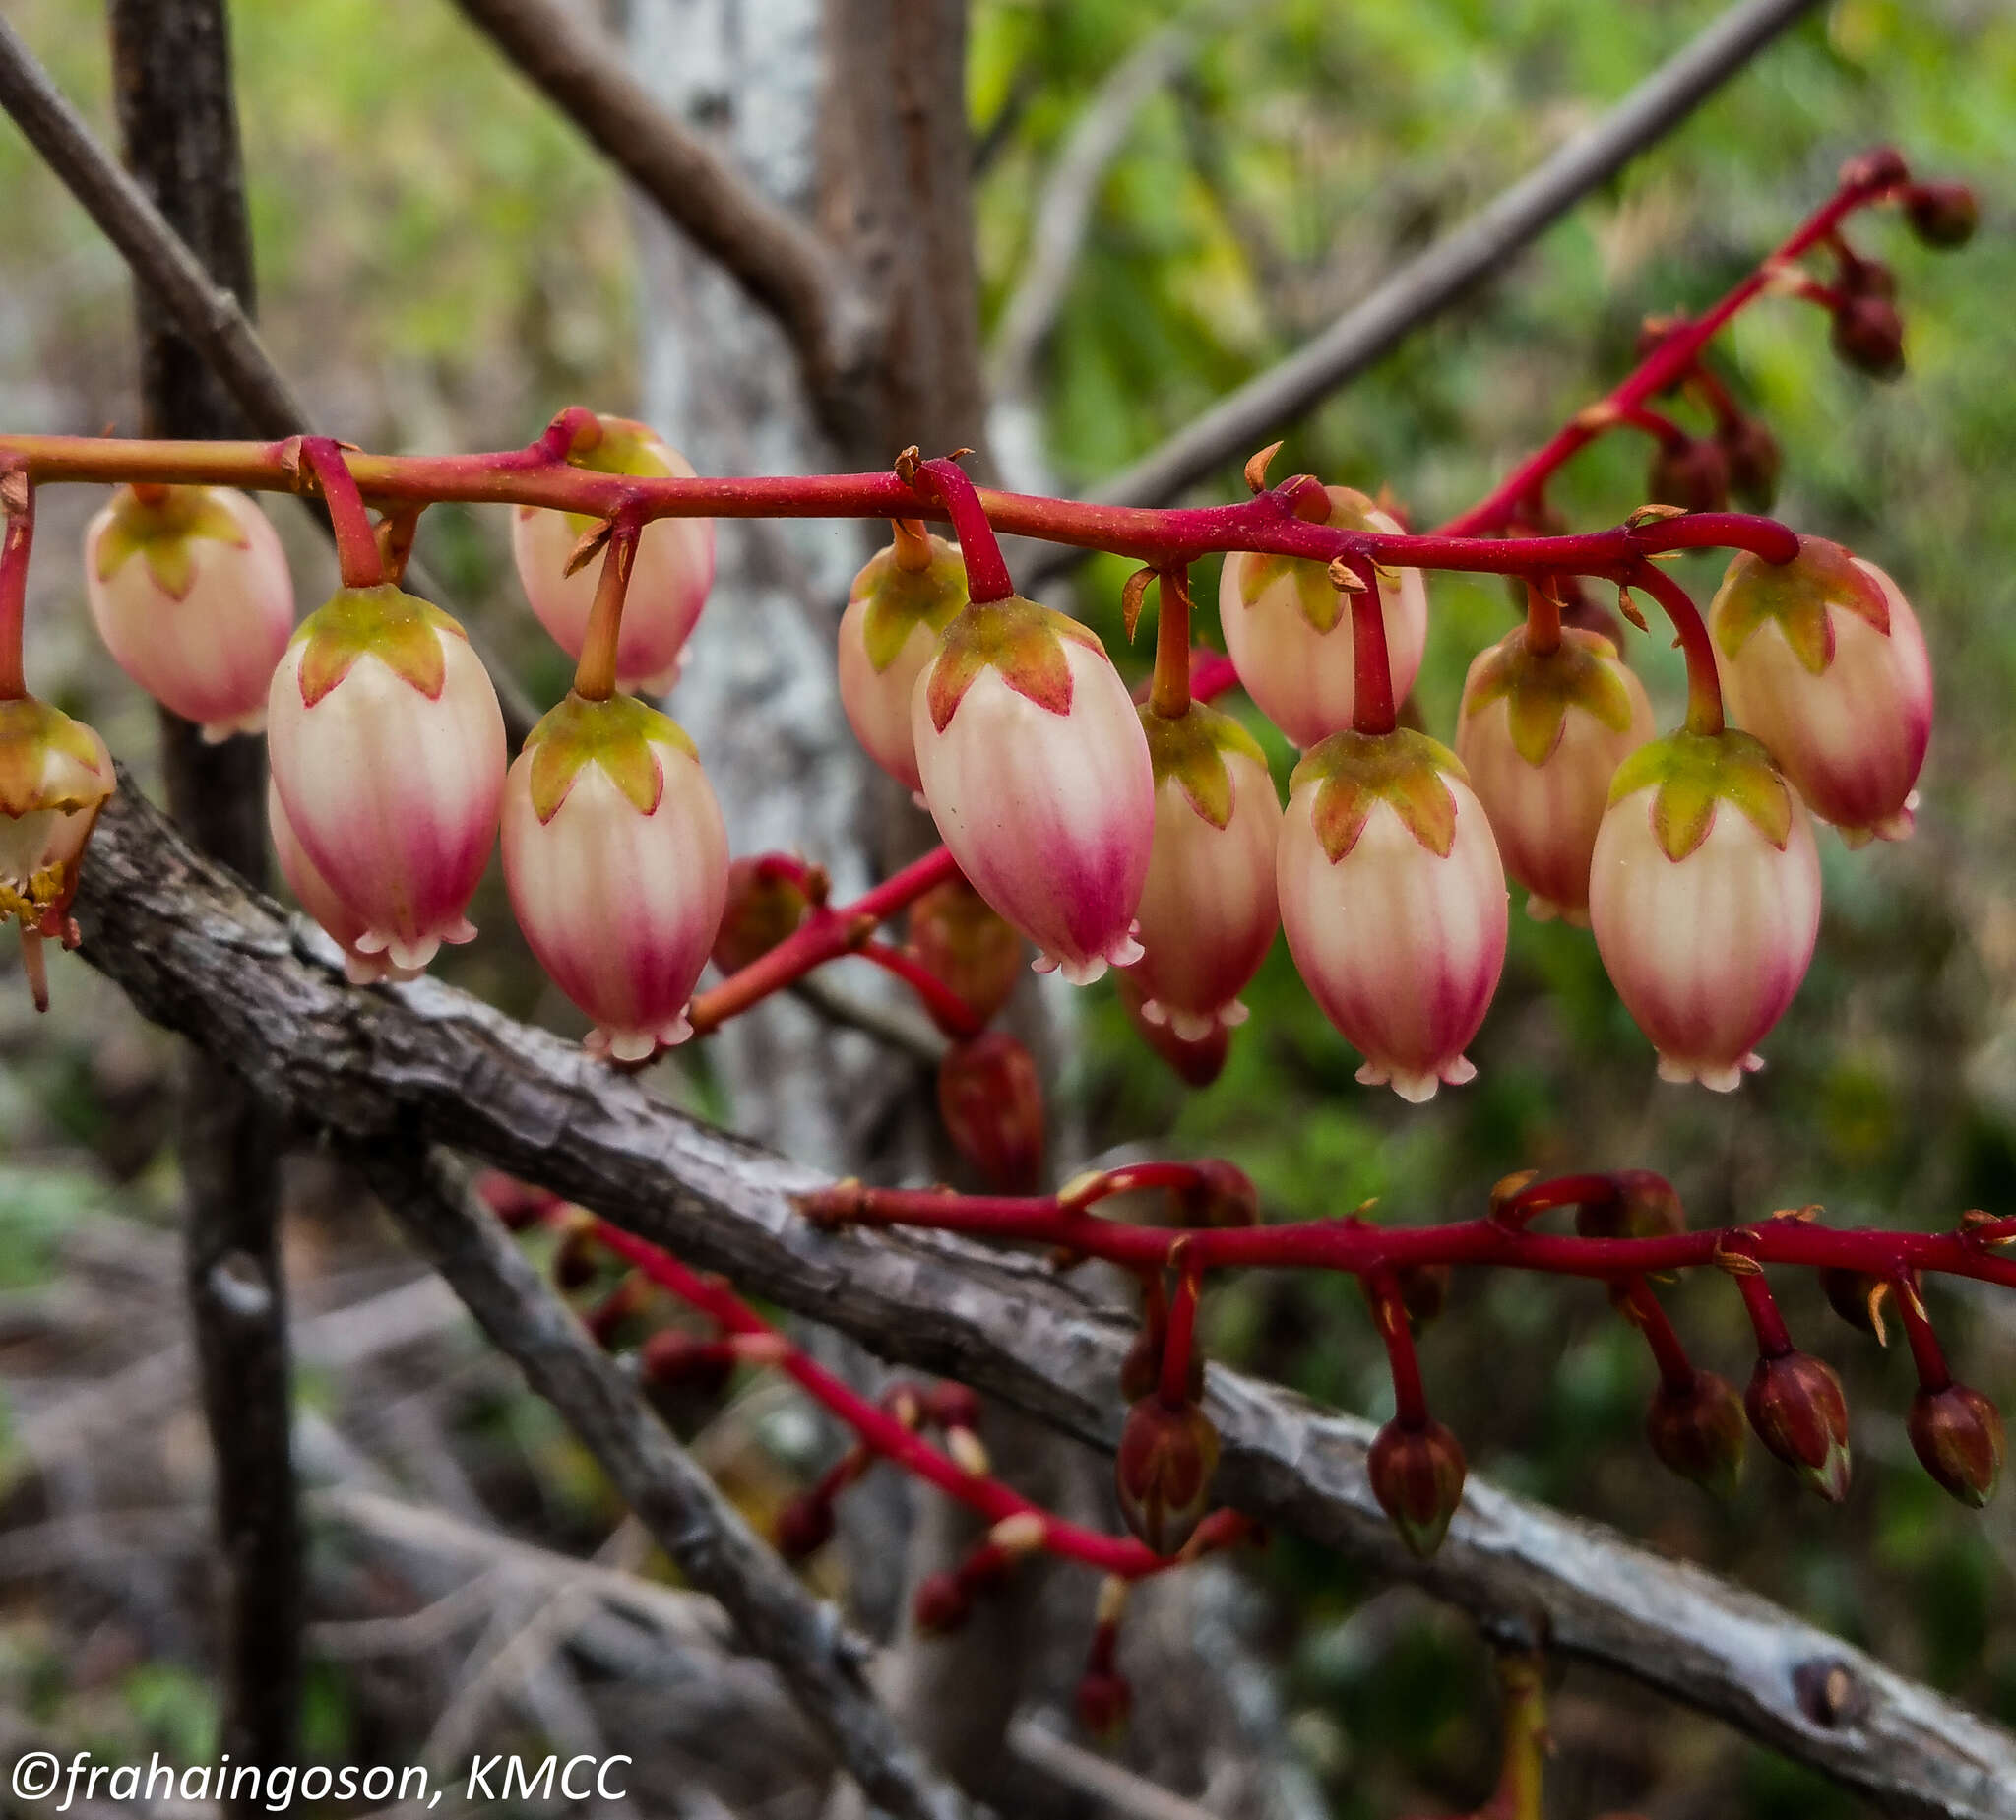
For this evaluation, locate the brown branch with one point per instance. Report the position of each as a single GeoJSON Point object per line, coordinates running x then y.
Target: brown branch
{"type": "Point", "coordinates": [199, 954]}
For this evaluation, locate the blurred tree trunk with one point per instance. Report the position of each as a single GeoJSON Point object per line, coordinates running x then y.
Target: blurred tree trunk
{"type": "Point", "coordinates": [178, 121]}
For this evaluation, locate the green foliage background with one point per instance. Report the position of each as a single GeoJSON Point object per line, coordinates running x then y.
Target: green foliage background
{"type": "Point", "coordinates": [444, 264]}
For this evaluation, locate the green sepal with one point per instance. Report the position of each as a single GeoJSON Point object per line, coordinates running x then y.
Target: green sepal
{"type": "Point", "coordinates": [1353, 772]}
{"type": "Point", "coordinates": [900, 599]}
{"type": "Point", "coordinates": [617, 735]}
{"type": "Point", "coordinates": [625, 448]}
{"type": "Point", "coordinates": [160, 534]}
{"type": "Point", "coordinates": [1320, 601]}
{"type": "Point", "coordinates": [29, 729]}
{"type": "Point", "coordinates": [1191, 748]}
{"type": "Point", "coordinates": [1796, 595]}
{"type": "Point", "coordinates": [1021, 640]}
{"type": "Point", "coordinates": [1692, 773]}
{"type": "Point", "coordinates": [1539, 687]}
{"type": "Point", "coordinates": [399, 629]}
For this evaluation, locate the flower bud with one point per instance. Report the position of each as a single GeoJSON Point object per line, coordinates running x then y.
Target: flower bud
{"type": "Point", "coordinates": [888, 632]}
{"type": "Point", "coordinates": [1692, 475]}
{"type": "Point", "coordinates": [942, 1604]}
{"type": "Point", "coordinates": [616, 862]}
{"type": "Point", "coordinates": [1869, 335]}
{"type": "Point", "coordinates": [1104, 1703]}
{"type": "Point", "coordinates": [1943, 215]}
{"type": "Point", "coordinates": [190, 591]}
{"type": "Point", "coordinates": [1698, 1433]}
{"type": "Point", "coordinates": [1824, 661]}
{"type": "Point", "coordinates": [803, 1527]}
{"type": "Point", "coordinates": [1037, 775]}
{"type": "Point", "coordinates": [1162, 1471]}
{"type": "Point", "coordinates": [1705, 897]}
{"type": "Point", "coordinates": [1540, 733]}
{"type": "Point", "coordinates": [1641, 1205]}
{"type": "Point", "coordinates": [991, 1102]}
{"type": "Point", "coordinates": [1221, 1194]}
{"type": "Point", "coordinates": [952, 1405]}
{"type": "Point", "coordinates": [1424, 1291]}
{"type": "Point", "coordinates": [387, 750]}
{"type": "Point", "coordinates": [1797, 1409]}
{"type": "Point", "coordinates": [55, 775]}
{"type": "Point", "coordinates": [342, 924]}
{"type": "Point", "coordinates": [668, 584]}
{"type": "Point", "coordinates": [1288, 632]}
{"type": "Point", "coordinates": [1197, 1063]}
{"type": "Point", "coordinates": [1417, 1476]}
{"type": "Point", "coordinates": [1857, 1297]}
{"type": "Point", "coordinates": [1957, 1435]}
{"type": "Point", "coordinates": [959, 940]}
{"type": "Point", "coordinates": [1394, 904]}
{"type": "Point", "coordinates": [671, 1356]}
{"type": "Point", "coordinates": [1754, 460]}
{"type": "Point", "coordinates": [1208, 913]}
{"type": "Point", "coordinates": [765, 901]}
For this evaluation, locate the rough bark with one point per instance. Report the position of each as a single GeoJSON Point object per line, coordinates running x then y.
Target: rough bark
{"type": "Point", "coordinates": [178, 121]}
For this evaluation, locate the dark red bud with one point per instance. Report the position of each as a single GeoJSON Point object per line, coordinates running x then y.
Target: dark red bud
{"type": "Point", "coordinates": [578, 1255]}
{"type": "Point", "coordinates": [952, 1405]}
{"type": "Point", "coordinates": [1424, 1291]}
{"type": "Point", "coordinates": [804, 1525]}
{"type": "Point", "coordinates": [1857, 1297]}
{"type": "Point", "coordinates": [1796, 1407]}
{"type": "Point", "coordinates": [1871, 170]}
{"type": "Point", "coordinates": [1417, 1477]}
{"type": "Point", "coordinates": [942, 1604]}
{"type": "Point", "coordinates": [1641, 1205]}
{"type": "Point", "coordinates": [516, 1204]}
{"type": "Point", "coordinates": [767, 902]}
{"type": "Point", "coordinates": [1198, 1062]}
{"type": "Point", "coordinates": [1943, 215]}
{"type": "Point", "coordinates": [1698, 1433]}
{"type": "Point", "coordinates": [1163, 1471]}
{"type": "Point", "coordinates": [992, 1107]}
{"type": "Point", "coordinates": [1754, 460]}
{"type": "Point", "coordinates": [1856, 277]}
{"type": "Point", "coordinates": [1957, 1435]}
{"type": "Point", "coordinates": [1869, 335]}
{"type": "Point", "coordinates": [1104, 1701]}
{"type": "Point", "coordinates": [960, 939]}
{"type": "Point", "coordinates": [1221, 1195]}
{"type": "Point", "coordinates": [1692, 475]}
{"type": "Point", "coordinates": [670, 1358]}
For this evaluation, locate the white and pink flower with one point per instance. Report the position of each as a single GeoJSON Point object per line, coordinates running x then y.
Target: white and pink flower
{"type": "Point", "coordinates": [1208, 913]}
{"type": "Point", "coordinates": [617, 865]}
{"type": "Point", "coordinates": [1542, 734]}
{"type": "Point", "coordinates": [315, 895]}
{"type": "Point", "coordinates": [1287, 628]}
{"type": "Point", "coordinates": [1037, 772]}
{"type": "Point", "coordinates": [386, 748]}
{"type": "Point", "coordinates": [1704, 897]}
{"type": "Point", "coordinates": [900, 602]}
{"type": "Point", "coordinates": [1824, 661]}
{"type": "Point", "coordinates": [1394, 904]}
{"type": "Point", "coordinates": [190, 591]}
{"type": "Point", "coordinates": [669, 585]}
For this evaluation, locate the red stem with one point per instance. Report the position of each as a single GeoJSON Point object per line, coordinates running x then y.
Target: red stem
{"type": "Point", "coordinates": [987, 573]}
{"type": "Point", "coordinates": [1640, 1306]}
{"type": "Point", "coordinates": [1178, 1335]}
{"type": "Point", "coordinates": [1170, 693]}
{"type": "Point", "coordinates": [1389, 1311]}
{"type": "Point", "coordinates": [595, 675]}
{"type": "Point", "coordinates": [14, 546]}
{"type": "Point", "coordinates": [1926, 1353]}
{"type": "Point", "coordinates": [1372, 705]}
{"type": "Point", "coordinates": [1704, 681]}
{"type": "Point", "coordinates": [357, 543]}
{"type": "Point", "coordinates": [948, 1009]}
{"type": "Point", "coordinates": [1772, 1339]}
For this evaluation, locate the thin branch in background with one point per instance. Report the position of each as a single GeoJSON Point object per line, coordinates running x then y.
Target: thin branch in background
{"type": "Point", "coordinates": [197, 953]}
{"type": "Point", "coordinates": [208, 315]}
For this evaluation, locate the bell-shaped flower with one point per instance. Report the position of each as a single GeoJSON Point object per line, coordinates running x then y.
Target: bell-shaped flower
{"type": "Point", "coordinates": [1705, 897]}
{"type": "Point", "coordinates": [1542, 734]}
{"type": "Point", "coordinates": [888, 632]}
{"type": "Point", "coordinates": [1822, 658]}
{"type": "Point", "coordinates": [1287, 628]}
{"type": "Point", "coordinates": [1037, 772]}
{"type": "Point", "coordinates": [1208, 910]}
{"type": "Point", "coordinates": [190, 591]}
{"type": "Point", "coordinates": [674, 566]}
{"type": "Point", "coordinates": [617, 865]}
{"type": "Point", "coordinates": [342, 924]}
{"type": "Point", "coordinates": [55, 775]}
{"type": "Point", "coordinates": [1394, 904]}
{"type": "Point", "coordinates": [387, 747]}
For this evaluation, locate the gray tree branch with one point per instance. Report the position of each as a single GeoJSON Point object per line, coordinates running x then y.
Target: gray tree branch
{"type": "Point", "coordinates": [199, 953]}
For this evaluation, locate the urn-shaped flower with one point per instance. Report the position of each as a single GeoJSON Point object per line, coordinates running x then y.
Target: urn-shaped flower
{"type": "Point", "coordinates": [189, 588]}
{"type": "Point", "coordinates": [674, 566]}
{"type": "Point", "coordinates": [1542, 732]}
{"type": "Point", "coordinates": [1823, 660]}
{"type": "Point", "coordinates": [1037, 772]}
{"type": "Point", "coordinates": [617, 864]}
{"type": "Point", "coordinates": [1704, 897]}
{"type": "Point", "coordinates": [386, 748]}
{"type": "Point", "coordinates": [900, 602]}
{"type": "Point", "coordinates": [1392, 901]}
{"type": "Point", "coordinates": [315, 895]}
{"type": "Point", "coordinates": [1208, 911]}
{"type": "Point", "coordinates": [55, 775]}
{"type": "Point", "coordinates": [1287, 628]}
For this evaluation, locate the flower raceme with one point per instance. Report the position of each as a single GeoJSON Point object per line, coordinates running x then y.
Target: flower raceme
{"type": "Point", "coordinates": [1038, 774]}
{"type": "Point", "coordinates": [900, 602]}
{"type": "Point", "coordinates": [1823, 660]}
{"type": "Point", "coordinates": [617, 864]}
{"type": "Point", "coordinates": [386, 748]}
{"type": "Point", "coordinates": [673, 570]}
{"type": "Point", "coordinates": [1288, 632]}
{"type": "Point", "coordinates": [1705, 898]}
{"type": "Point", "coordinates": [190, 591]}
{"type": "Point", "coordinates": [1394, 903]}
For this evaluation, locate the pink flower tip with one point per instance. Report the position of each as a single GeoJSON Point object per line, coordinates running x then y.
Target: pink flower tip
{"type": "Point", "coordinates": [636, 1045]}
